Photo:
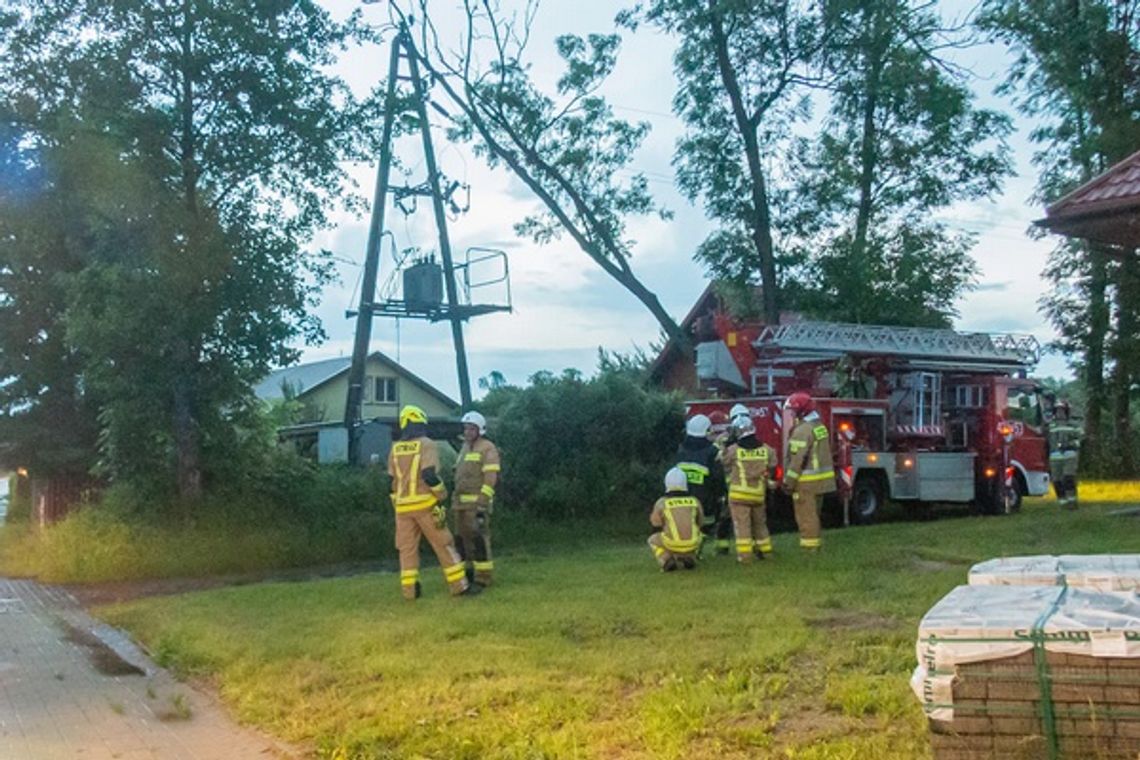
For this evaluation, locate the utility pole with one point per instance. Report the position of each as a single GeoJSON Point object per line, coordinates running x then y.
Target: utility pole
{"type": "Point", "coordinates": [441, 225]}
{"type": "Point", "coordinates": [352, 405]}
{"type": "Point", "coordinates": [455, 312]}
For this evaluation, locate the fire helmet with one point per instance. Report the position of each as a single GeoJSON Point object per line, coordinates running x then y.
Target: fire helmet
{"type": "Point", "coordinates": [800, 403]}
{"type": "Point", "coordinates": [410, 414]}
{"type": "Point", "coordinates": [742, 425]}
{"type": "Point", "coordinates": [698, 426]}
{"type": "Point", "coordinates": [476, 419]}
{"type": "Point", "coordinates": [718, 418]}
{"type": "Point", "coordinates": [738, 410]}
{"type": "Point", "coordinates": [676, 480]}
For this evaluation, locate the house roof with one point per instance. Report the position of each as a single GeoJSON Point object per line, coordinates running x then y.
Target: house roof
{"type": "Point", "coordinates": [303, 378]}
{"type": "Point", "coordinates": [1105, 209]}
{"type": "Point", "coordinates": [700, 307]}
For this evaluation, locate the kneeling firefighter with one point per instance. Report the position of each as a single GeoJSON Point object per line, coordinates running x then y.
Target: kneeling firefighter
{"type": "Point", "coordinates": [418, 494]}
{"type": "Point", "coordinates": [676, 519]}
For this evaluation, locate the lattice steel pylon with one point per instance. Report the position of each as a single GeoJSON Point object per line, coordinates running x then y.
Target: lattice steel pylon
{"type": "Point", "coordinates": [837, 338]}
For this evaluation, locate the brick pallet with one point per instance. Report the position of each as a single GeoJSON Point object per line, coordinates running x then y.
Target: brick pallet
{"type": "Point", "coordinates": [1025, 672]}
{"type": "Point", "coordinates": [1099, 572]}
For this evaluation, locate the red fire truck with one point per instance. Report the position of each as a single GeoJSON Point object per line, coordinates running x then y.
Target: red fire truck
{"type": "Point", "coordinates": [917, 415]}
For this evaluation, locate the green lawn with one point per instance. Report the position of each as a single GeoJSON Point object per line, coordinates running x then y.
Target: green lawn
{"type": "Point", "coordinates": [586, 650]}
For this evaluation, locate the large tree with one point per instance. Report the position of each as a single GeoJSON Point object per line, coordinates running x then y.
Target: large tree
{"type": "Point", "coordinates": [563, 143]}
{"type": "Point", "coordinates": [741, 68]}
{"type": "Point", "coordinates": [226, 133]}
{"type": "Point", "coordinates": [901, 140]}
{"type": "Point", "coordinates": [1077, 70]}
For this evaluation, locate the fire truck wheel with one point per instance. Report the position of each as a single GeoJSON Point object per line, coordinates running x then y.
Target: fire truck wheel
{"type": "Point", "coordinates": [866, 500]}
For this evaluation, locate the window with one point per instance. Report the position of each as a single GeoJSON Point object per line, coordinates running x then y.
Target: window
{"type": "Point", "coordinates": [1023, 405]}
{"type": "Point", "coordinates": [967, 397]}
{"type": "Point", "coordinates": [384, 390]}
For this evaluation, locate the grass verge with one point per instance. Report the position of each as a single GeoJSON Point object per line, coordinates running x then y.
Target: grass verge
{"type": "Point", "coordinates": [584, 650]}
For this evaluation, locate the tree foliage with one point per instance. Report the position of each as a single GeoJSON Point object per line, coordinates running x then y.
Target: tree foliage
{"type": "Point", "coordinates": [902, 140]}
{"type": "Point", "coordinates": [565, 145]}
{"type": "Point", "coordinates": [741, 69]}
{"type": "Point", "coordinates": [210, 137]}
{"type": "Point", "coordinates": [1077, 70]}
{"type": "Point", "coordinates": [577, 448]}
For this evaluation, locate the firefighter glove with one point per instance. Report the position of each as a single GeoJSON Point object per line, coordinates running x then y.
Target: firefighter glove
{"type": "Point", "coordinates": [439, 514]}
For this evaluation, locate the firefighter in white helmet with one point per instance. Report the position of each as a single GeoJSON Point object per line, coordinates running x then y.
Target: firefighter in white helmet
{"type": "Point", "coordinates": [748, 467]}
{"type": "Point", "coordinates": [676, 521]}
{"type": "Point", "coordinates": [418, 494]}
{"type": "Point", "coordinates": [476, 475]}
{"type": "Point", "coordinates": [699, 459]}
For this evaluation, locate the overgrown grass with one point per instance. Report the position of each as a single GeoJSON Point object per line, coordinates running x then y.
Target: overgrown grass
{"type": "Point", "coordinates": [584, 650]}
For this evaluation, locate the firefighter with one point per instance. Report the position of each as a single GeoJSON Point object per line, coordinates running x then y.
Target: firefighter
{"type": "Point", "coordinates": [748, 465]}
{"type": "Point", "coordinates": [476, 475]}
{"type": "Point", "coordinates": [1064, 443]}
{"type": "Point", "coordinates": [699, 459]}
{"type": "Point", "coordinates": [809, 473]}
{"type": "Point", "coordinates": [418, 495]}
{"type": "Point", "coordinates": [676, 519]}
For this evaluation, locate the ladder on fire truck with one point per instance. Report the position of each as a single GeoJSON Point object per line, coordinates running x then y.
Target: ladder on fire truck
{"type": "Point", "coordinates": [930, 346]}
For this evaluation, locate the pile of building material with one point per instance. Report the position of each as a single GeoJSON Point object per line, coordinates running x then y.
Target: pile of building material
{"type": "Point", "coordinates": [1102, 572]}
{"type": "Point", "coordinates": [1024, 671]}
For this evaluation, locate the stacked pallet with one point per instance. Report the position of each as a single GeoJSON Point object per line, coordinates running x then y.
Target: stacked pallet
{"type": "Point", "coordinates": [1031, 672]}
{"type": "Point", "coordinates": [1102, 572]}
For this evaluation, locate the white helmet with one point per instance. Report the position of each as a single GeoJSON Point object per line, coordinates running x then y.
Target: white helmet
{"type": "Point", "coordinates": [743, 426]}
{"type": "Point", "coordinates": [698, 426]}
{"type": "Point", "coordinates": [476, 419]}
{"type": "Point", "coordinates": [738, 410]}
{"type": "Point", "coordinates": [675, 480]}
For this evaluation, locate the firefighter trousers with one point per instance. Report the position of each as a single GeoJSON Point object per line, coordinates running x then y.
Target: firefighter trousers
{"type": "Point", "coordinates": [410, 527]}
{"type": "Point", "coordinates": [669, 560]}
{"type": "Point", "coordinates": [750, 523]}
{"type": "Point", "coordinates": [473, 540]}
{"type": "Point", "coordinates": [807, 506]}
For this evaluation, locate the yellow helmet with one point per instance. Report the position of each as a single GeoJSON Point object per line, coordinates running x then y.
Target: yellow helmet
{"type": "Point", "coordinates": [410, 414]}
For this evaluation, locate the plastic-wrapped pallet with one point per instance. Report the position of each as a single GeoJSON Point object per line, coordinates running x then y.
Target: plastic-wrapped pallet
{"type": "Point", "coordinates": [1102, 572]}
{"type": "Point", "coordinates": [1031, 672]}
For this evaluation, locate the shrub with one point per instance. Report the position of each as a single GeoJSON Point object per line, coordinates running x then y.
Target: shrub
{"type": "Point", "coordinates": [575, 448]}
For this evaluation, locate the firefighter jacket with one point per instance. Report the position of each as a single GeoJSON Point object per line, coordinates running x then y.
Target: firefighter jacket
{"type": "Point", "coordinates": [747, 467]}
{"type": "Point", "coordinates": [476, 474]}
{"type": "Point", "coordinates": [407, 461]}
{"type": "Point", "coordinates": [808, 466]}
{"type": "Point", "coordinates": [679, 517]}
{"type": "Point", "coordinates": [700, 461]}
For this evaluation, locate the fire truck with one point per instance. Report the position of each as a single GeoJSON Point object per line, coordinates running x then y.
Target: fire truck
{"type": "Point", "coordinates": [917, 415]}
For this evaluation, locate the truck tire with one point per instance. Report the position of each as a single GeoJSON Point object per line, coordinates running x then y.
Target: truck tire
{"type": "Point", "coordinates": [866, 499]}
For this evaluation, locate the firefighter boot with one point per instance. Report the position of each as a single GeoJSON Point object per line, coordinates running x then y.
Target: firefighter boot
{"type": "Point", "coordinates": [688, 563]}
{"type": "Point", "coordinates": [669, 566]}
{"type": "Point", "coordinates": [473, 589]}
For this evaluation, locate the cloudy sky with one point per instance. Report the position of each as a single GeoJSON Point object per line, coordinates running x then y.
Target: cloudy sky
{"type": "Point", "coordinates": [565, 308]}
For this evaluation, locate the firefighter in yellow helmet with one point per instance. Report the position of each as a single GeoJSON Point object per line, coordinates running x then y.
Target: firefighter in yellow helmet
{"type": "Point", "coordinates": [476, 475]}
{"type": "Point", "coordinates": [676, 519]}
{"type": "Point", "coordinates": [417, 496]}
{"type": "Point", "coordinates": [809, 472]}
{"type": "Point", "coordinates": [748, 465]}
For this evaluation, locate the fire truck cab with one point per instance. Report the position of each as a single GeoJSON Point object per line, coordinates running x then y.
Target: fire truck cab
{"type": "Point", "coordinates": [916, 415]}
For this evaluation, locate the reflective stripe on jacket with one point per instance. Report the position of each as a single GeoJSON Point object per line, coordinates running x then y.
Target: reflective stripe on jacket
{"type": "Point", "coordinates": [746, 470]}
{"type": "Point", "coordinates": [808, 466]}
{"type": "Point", "coordinates": [679, 518]}
{"type": "Point", "coordinates": [407, 461]}
{"type": "Point", "coordinates": [476, 474]}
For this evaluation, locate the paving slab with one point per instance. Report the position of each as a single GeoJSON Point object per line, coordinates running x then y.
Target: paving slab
{"type": "Point", "coordinates": [74, 688]}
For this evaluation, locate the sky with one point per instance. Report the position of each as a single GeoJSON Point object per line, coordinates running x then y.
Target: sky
{"type": "Point", "coordinates": [564, 306]}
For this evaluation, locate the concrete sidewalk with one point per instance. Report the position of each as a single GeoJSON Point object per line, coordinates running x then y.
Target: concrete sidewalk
{"type": "Point", "coordinates": [72, 687]}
